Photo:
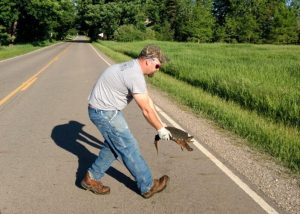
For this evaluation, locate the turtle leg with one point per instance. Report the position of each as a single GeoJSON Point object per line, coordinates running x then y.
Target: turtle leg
{"type": "Point", "coordinates": [184, 144]}
{"type": "Point", "coordinates": [187, 146]}
{"type": "Point", "coordinates": [179, 142]}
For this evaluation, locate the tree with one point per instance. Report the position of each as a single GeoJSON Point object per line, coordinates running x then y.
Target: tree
{"type": "Point", "coordinates": [157, 18]}
{"type": "Point", "coordinates": [194, 21]}
{"type": "Point", "coordinates": [241, 21]}
{"type": "Point", "coordinates": [107, 16]}
{"type": "Point", "coordinates": [82, 8]}
{"type": "Point", "coordinates": [278, 23]}
{"type": "Point", "coordinates": [38, 20]}
{"type": "Point", "coordinates": [295, 6]}
{"type": "Point", "coordinates": [66, 19]}
{"type": "Point", "coordinates": [153, 13]}
{"type": "Point", "coordinates": [110, 18]}
{"type": "Point", "coordinates": [8, 21]}
{"type": "Point", "coordinates": [203, 22]}
{"type": "Point", "coordinates": [220, 9]}
{"type": "Point", "coordinates": [91, 20]}
{"type": "Point", "coordinates": [44, 20]}
{"type": "Point", "coordinates": [255, 21]}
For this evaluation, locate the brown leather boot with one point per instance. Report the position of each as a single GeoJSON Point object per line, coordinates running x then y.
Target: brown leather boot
{"type": "Point", "coordinates": [158, 186]}
{"type": "Point", "coordinates": [95, 186]}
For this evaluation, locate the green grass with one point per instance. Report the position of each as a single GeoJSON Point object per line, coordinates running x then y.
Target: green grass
{"type": "Point", "coordinates": [15, 50]}
{"type": "Point", "coordinates": [261, 78]}
{"type": "Point", "coordinates": [252, 90]}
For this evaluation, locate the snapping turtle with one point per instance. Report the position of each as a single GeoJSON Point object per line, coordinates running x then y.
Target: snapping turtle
{"type": "Point", "coordinates": [179, 136]}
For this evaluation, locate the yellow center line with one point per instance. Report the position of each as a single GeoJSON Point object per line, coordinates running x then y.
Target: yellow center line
{"type": "Point", "coordinates": [23, 86]}
{"type": "Point", "coordinates": [28, 84]}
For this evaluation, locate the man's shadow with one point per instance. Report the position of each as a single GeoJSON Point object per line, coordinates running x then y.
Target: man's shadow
{"type": "Point", "coordinates": [67, 136]}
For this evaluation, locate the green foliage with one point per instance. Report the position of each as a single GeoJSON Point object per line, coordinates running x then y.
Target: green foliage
{"type": "Point", "coordinates": [298, 28]}
{"type": "Point", "coordinates": [8, 21]}
{"type": "Point", "coordinates": [164, 32]}
{"type": "Point", "coordinates": [91, 20]}
{"type": "Point", "coordinates": [250, 21]}
{"type": "Point", "coordinates": [150, 34]}
{"type": "Point", "coordinates": [128, 33]}
{"type": "Point", "coordinates": [4, 36]}
{"type": "Point", "coordinates": [153, 11]}
{"type": "Point", "coordinates": [202, 26]}
{"type": "Point", "coordinates": [110, 17]}
{"type": "Point", "coordinates": [255, 21]}
{"type": "Point", "coordinates": [35, 20]}
{"type": "Point", "coordinates": [39, 21]}
{"type": "Point", "coordinates": [241, 23]}
{"type": "Point", "coordinates": [186, 20]}
{"type": "Point", "coordinates": [66, 19]}
{"type": "Point", "coordinates": [284, 24]}
{"type": "Point", "coordinates": [107, 18]}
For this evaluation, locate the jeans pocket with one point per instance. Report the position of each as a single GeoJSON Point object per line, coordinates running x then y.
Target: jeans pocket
{"type": "Point", "coordinates": [108, 115]}
{"type": "Point", "coordinates": [117, 129]}
{"type": "Point", "coordinates": [118, 122]}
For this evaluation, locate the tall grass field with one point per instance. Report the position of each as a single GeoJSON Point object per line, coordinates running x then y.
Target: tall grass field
{"type": "Point", "coordinates": [252, 90]}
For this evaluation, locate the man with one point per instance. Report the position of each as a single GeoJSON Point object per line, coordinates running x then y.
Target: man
{"type": "Point", "coordinates": [115, 88]}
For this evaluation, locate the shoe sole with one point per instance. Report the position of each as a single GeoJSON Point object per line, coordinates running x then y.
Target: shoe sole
{"type": "Point", "coordinates": [86, 187]}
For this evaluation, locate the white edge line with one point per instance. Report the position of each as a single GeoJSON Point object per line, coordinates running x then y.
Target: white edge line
{"type": "Point", "coordinates": [100, 55]}
{"type": "Point", "coordinates": [259, 200]}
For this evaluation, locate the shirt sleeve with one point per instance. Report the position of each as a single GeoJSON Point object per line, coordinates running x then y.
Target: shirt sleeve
{"type": "Point", "coordinates": [135, 83]}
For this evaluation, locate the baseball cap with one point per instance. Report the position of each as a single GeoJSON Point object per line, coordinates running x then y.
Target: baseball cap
{"type": "Point", "coordinates": [153, 51]}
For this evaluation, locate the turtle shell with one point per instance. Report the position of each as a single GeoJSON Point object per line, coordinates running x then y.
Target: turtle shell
{"type": "Point", "coordinates": [178, 133]}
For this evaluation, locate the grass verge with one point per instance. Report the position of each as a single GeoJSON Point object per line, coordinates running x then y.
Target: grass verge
{"type": "Point", "coordinates": [15, 50]}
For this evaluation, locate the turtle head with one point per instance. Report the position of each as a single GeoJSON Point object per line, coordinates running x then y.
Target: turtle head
{"type": "Point", "coordinates": [190, 138]}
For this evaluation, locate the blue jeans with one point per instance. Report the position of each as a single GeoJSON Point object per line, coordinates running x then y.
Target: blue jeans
{"type": "Point", "coordinates": [118, 142]}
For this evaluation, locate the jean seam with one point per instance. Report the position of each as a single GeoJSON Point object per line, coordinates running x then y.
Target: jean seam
{"type": "Point", "coordinates": [113, 117]}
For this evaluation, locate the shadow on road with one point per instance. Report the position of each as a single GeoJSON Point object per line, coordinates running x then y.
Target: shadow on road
{"type": "Point", "coordinates": [68, 136]}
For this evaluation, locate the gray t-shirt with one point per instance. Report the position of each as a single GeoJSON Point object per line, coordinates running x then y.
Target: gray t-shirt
{"type": "Point", "coordinates": [114, 88]}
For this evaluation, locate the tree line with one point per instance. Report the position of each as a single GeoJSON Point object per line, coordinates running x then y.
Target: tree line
{"type": "Point", "coordinates": [251, 21]}
{"type": "Point", "coordinates": [23, 21]}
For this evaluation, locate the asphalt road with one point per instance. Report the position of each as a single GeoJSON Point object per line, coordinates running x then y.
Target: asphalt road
{"type": "Point", "coordinates": [47, 142]}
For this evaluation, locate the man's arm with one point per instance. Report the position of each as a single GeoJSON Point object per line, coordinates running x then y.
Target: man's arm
{"type": "Point", "coordinates": [157, 115]}
{"type": "Point", "coordinates": [146, 105]}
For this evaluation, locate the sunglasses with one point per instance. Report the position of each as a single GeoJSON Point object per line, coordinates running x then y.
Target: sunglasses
{"type": "Point", "coordinates": [157, 66]}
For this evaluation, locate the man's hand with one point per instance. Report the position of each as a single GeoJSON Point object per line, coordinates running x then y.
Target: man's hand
{"type": "Point", "coordinates": [164, 134]}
